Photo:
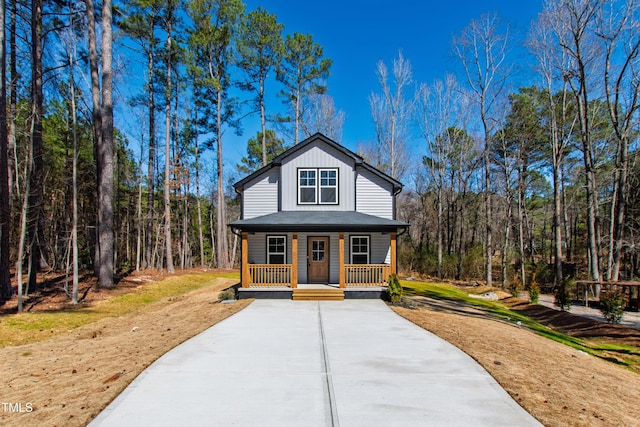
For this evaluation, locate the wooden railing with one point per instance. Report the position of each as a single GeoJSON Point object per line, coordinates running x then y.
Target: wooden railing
{"type": "Point", "coordinates": [270, 275]}
{"type": "Point", "coordinates": [366, 274]}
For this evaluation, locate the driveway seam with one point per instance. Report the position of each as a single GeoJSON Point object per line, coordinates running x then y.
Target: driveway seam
{"type": "Point", "coordinates": [333, 410]}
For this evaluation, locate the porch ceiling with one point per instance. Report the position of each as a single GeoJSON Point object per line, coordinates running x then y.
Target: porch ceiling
{"type": "Point", "coordinates": [318, 221]}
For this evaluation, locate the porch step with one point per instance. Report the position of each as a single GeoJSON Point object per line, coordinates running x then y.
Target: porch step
{"type": "Point", "coordinates": [318, 294]}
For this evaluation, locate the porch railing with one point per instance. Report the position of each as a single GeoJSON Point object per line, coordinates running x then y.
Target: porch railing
{"type": "Point", "coordinates": [270, 274]}
{"type": "Point", "coordinates": [366, 274]}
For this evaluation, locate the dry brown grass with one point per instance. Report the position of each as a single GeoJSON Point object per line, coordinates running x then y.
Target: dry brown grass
{"type": "Point", "coordinates": [70, 378]}
{"type": "Point", "coordinates": [558, 385]}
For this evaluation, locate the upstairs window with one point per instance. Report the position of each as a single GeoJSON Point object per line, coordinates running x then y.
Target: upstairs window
{"type": "Point", "coordinates": [307, 186]}
{"type": "Point", "coordinates": [276, 249]}
{"type": "Point", "coordinates": [328, 186]}
{"type": "Point", "coordinates": [318, 186]}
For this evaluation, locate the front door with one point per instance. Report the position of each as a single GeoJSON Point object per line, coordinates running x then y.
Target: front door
{"type": "Point", "coordinates": [318, 260]}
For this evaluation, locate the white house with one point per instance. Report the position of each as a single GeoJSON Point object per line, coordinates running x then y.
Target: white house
{"type": "Point", "coordinates": [317, 214]}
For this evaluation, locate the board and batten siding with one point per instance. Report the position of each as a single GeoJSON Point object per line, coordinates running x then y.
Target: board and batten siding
{"type": "Point", "coordinates": [374, 196]}
{"type": "Point", "coordinates": [260, 197]}
{"type": "Point", "coordinates": [318, 156]}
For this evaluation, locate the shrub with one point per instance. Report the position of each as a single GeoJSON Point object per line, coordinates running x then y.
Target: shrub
{"type": "Point", "coordinates": [227, 294]}
{"type": "Point", "coordinates": [394, 289]}
{"type": "Point", "coordinates": [563, 295]}
{"type": "Point", "coordinates": [612, 305]}
{"type": "Point", "coordinates": [534, 290]}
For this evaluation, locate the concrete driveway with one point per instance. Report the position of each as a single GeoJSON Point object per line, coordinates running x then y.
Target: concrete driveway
{"type": "Point", "coordinates": [315, 363]}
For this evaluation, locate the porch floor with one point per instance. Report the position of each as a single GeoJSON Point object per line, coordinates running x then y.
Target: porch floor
{"type": "Point", "coordinates": [285, 292]}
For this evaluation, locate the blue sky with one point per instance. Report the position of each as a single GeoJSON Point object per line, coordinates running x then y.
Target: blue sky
{"type": "Point", "coordinates": [356, 34]}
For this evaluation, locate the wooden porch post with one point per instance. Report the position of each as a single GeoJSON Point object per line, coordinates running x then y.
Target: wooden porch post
{"type": "Point", "coordinates": [341, 260]}
{"type": "Point", "coordinates": [294, 261]}
{"type": "Point", "coordinates": [244, 263]}
{"type": "Point", "coordinates": [393, 253]}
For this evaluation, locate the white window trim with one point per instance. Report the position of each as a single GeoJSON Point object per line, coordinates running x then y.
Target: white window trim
{"type": "Point", "coordinates": [351, 253]}
{"type": "Point", "coordinates": [269, 253]}
{"type": "Point", "coordinates": [318, 187]}
{"type": "Point", "coordinates": [300, 187]}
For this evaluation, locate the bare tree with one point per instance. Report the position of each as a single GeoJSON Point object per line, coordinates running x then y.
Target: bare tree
{"type": "Point", "coordinates": [482, 48]}
{"type": "Point", "coordinates": [391, 110]}
{"type": "Point", "coordinates": [573, 23]}
{"type": "Point", "coordinates": [319, 114]}
{"type": "Point", "coordinates": [436, 116]}
{"type": "Point", "coordinates": [619, 31]}
{"type": "Point", "coordinates": [551, 62]}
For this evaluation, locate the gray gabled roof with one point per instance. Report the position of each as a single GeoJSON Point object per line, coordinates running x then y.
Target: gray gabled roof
{"type": "Point", "coordinates": [318, 221]}
{"type": "Point", "coordinates": [358, 160]}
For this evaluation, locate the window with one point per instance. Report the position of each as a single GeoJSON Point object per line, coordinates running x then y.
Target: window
{"type": "Point", "coordinates": [307, 186]}
{"type": "Point", "coordinates": [328, 186]}
{"type": "Point", "coordinates": [317, 250]}
{"type": "Point", "coordinates": [359, 249]}
{"type": "Point", "coordinates": [276, 249]}
{"type": "Point", "coordinates": [318, 186]}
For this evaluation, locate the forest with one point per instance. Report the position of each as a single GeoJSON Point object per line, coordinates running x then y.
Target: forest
{"type": "Point", "coordinates": [502, 185]}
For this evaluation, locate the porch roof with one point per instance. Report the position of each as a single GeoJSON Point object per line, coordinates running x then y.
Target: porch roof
{"type": "Point", "coordinates": [318, 221]}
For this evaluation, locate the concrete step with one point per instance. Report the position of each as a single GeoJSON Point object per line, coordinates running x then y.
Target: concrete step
{"type": "Point", "coordinates": [318, 294]}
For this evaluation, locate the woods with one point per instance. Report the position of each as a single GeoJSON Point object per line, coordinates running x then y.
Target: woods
{"type": "Point", "coordinates": [505, 179]}
{"type": "Point", "coordinates": [557, 168]}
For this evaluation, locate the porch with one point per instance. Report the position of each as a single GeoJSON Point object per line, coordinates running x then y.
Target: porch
{"type": "Point", "coordinates": [286, 275]}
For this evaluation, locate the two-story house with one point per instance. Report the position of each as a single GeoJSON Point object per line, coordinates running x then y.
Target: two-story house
{"type": "Point", "coordinates": [317, 214]}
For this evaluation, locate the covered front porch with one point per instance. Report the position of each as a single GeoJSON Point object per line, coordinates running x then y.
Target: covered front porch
{"type": "Point", "coordinates": [287, 275]}
{"type": "Point", "coordinates": [347, 251]}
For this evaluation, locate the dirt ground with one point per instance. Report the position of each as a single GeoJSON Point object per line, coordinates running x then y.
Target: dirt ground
{"type": "Point", "coordinates": [558, 385]}
{"type": "Point", "coordinates": [67, 380]}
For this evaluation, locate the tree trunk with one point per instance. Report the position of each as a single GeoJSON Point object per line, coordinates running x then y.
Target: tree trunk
{"type": "Point", "coordinates": [35, 214]}
{"type": "Point", "coordinates": [198, 202]}
{"type": "Point", "coordinates": [13, 102]}
{"type": "Point", "coordinates": [618, 210]}
{"type": "Point", "coordinates": [5, 207]}
{"type": "Point", "coordinates": [167, 162]}
{"type": "Point", "coordinates": [24, 215]}
{"type": "Point", "coordinates": [96, 114]}
{"type": "Point", "coordinates": [151, 160]}
{"type": "Point", "coordinates": [74, 172]}
{"type": "Point", "coordinates": [105, 201]}
{"type": "Point", "coordinates": [488, 213]}
{"type": "Point", "coordinates": [223, 245]}
{"type": "Point", "coordinates": [440, 227]}
{"type": "Point", "coordinates": [214, 260]}
{"type": "Point", "coordinates": [521, 219]}
{"type": "Point", "coordinates": [139, 228]}
{"type": "Point", "coordinates": [263, 124]}
{"type": "Point", "coordinates": [297, 125]}
{"type": "Point", "coordinates": [590, 188]}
